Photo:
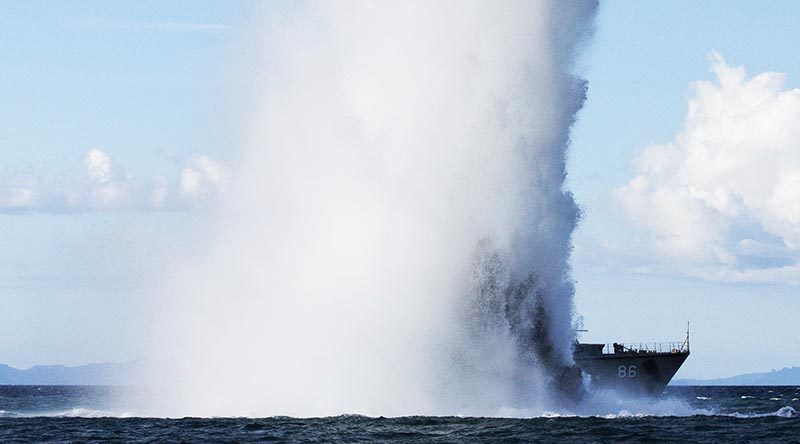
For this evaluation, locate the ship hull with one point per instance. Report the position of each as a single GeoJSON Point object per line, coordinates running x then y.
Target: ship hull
{"type": "Point", "coordinates": [634, 373]}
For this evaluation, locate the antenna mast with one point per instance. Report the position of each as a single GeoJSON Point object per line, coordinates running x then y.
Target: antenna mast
{"type": "Point", "coordinates": [687, 335]}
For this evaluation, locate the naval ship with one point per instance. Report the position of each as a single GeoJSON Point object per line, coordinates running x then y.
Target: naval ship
{"type": "Point", "coordinates": [638, 369]}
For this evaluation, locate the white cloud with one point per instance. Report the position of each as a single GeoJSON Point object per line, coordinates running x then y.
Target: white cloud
{"type": "Point", "coordinates": [159, 194]}
{"type": "Point", "coordinates": [104, 185]}
{"type": "Point", "coordinates": [722, 200]}
{"type": "Point", "coordinates": [98, 165]}
{"type": "Point", "coordinates": [190, 181]}
{"type": "Point", "coordinates": [108, 186]}
{"type": "Point", "coordinates": [17, 193]}
{"type": "Point", "coordinates": [201, 178]}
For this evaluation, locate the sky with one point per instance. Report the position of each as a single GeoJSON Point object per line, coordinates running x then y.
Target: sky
{"type": "Point", "coordinates": [118, 122]}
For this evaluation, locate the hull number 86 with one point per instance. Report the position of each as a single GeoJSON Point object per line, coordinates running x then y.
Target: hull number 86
{"type": "Point", "coordinates": [626, 371]}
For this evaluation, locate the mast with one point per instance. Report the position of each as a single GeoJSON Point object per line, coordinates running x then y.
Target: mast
{"type": "Point", "coordinates": [687, 335]}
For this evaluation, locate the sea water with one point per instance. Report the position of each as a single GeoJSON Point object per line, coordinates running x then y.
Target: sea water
{"type": "Point", "coordinates": [708, 414]}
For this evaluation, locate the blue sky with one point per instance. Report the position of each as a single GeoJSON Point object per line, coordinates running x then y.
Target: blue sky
{"type": "Point", "coordinates": [149, 83]}
{"type": "Point", "coordinates": [640, 66]}
{"type": "Point", "coordinates": [135, 77]}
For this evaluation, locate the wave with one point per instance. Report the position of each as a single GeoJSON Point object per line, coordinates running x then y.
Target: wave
{"type": "Point", "coordinates": [783, 412]}
{"type": "Point", "coordinates": [76, 412]}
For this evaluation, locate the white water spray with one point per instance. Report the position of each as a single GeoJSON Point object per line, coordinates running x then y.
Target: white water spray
{"type": "Point", "coordinates": [397, 236]}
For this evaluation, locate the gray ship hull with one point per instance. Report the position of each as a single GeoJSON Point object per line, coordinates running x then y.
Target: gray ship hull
{"type": "Point", "coordinates": [638, 373]}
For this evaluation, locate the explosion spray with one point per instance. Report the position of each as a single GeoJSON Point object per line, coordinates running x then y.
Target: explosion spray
{"type": "Point", "coordinates": [396, 238]}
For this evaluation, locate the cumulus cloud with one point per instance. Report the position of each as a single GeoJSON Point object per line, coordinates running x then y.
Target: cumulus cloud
{"type": "Point", "coordinates": [722, 201]}
{"type": "Point", "coordinates": [102, 184]}
{"type": "Point", "coordinates": [17, 193]}
{"type": "Point", "coordinates": [98, 165]}
{"type": "Point", "coordinates": [201, 178]}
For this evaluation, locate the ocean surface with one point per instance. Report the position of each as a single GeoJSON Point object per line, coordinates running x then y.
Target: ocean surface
{"type": "Point", "coordinates": [692, 414]}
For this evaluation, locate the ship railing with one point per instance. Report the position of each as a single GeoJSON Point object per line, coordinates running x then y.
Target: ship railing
{"type": "Point", "coordinates": [646, 347]}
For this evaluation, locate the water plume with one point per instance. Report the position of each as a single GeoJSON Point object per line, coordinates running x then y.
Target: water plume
{"type": "Point", "coordinates": [396, 237]}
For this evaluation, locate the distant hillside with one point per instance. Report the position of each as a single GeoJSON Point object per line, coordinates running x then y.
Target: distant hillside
{"type": "Point", "coordinates": [127, 374]}
{"type": "Point", "coordinates": [91, 374]}
{"type": "Point", "coordinates": [786, 376]}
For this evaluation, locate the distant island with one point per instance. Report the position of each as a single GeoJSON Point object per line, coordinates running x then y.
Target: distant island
{"type": "Point", "coordinates": [91, 374]}
{"type": "Point", "coordinates": [128, 374]}
{"type": "Point", "coordinates": [785, 376]}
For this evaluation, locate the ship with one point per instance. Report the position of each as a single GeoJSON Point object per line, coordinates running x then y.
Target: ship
{"type": "Point", "coordinates": [642, 369]}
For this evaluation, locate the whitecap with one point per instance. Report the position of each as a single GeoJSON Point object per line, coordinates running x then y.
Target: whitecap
{"type": "Point", "coordinates": [783, 412]}
{"type": "Point", "coordinates": [609, 404]}
{"type": "Point", "coordinates": [76, 412]}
